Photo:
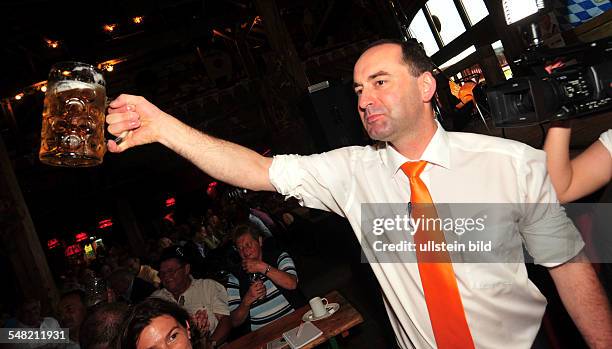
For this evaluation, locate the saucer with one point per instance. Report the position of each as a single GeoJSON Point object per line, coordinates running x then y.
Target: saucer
{"type": "Point", "coordinates": [331, 308]}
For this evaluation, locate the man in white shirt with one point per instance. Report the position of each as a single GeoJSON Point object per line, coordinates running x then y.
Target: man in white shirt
{"type": "Point", "coordinates": [395, 87]}
{"type": "Point", "coordinates": [204, 299]}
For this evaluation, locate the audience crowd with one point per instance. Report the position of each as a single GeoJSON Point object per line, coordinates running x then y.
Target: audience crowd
{"type": "Point", "coordinates": [200, 281]}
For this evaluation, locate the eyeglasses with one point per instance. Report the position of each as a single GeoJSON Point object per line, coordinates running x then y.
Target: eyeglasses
{"type": "Point", "coordinates": [169, 272]}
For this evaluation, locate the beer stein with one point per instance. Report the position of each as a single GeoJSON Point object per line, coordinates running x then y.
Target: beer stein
{"type": "Point", "coordinates": [72, 132]}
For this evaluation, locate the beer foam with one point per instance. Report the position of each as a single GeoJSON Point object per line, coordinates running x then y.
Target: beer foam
{"type": "Point", "coordinates": [98, 78]}
{"type": "Point", "coordinates": [62, 86]}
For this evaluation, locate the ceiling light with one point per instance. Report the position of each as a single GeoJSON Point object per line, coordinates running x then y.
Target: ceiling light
{"type": "Point", "coordinates": [52, 43]}
{"type": "Point", "coordinates": [137, 19]}
{"type": "Point", "coordinates": [19, 96]}
{"type": "Point", "coordinates": [109, 28]}
{"type": "Point", "coordinates": [43, 88]}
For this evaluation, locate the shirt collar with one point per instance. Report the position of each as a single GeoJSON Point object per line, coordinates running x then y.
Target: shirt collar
{"type": "Point", "coordinates": [437, 152]}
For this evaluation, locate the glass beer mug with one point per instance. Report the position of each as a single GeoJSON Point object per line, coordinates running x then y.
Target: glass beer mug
{"type": "Point", "coordinates": [73, 116]}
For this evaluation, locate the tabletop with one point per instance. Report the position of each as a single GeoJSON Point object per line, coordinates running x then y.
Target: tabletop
{"type": "Point", "coordinates": [338, 323]}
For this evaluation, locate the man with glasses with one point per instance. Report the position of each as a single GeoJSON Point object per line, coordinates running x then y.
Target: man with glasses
{"type": "Point", "coordinates": [204, 299]}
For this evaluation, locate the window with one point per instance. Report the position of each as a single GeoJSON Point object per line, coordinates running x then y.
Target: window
{"type": "Point", "coordinates": [475, 9]}
{"type": "Point", "coordinates": [419, 29]}
{"type": "Point", "coordinates": [458, 57]}
{"type": "Point", "coordinates": [501, 58]}
{"type": "Point", "coordinates": [451, 25]}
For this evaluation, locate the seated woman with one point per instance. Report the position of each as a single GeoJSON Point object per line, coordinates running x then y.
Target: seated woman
{"type": "Point", "coordinates": [156, 323]}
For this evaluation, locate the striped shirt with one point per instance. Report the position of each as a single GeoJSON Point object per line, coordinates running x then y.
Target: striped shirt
{"type": "Point", "coordinates": [273, 306]}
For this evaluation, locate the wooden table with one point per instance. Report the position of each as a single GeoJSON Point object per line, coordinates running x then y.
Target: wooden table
{"type": "Point", "coordinates": [339, 323]}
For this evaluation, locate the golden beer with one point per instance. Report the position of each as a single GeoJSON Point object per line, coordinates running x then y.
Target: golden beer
{"type": "Point", "coordinates": [73, 116]}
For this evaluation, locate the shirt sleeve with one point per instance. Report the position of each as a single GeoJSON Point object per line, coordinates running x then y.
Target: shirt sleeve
{"type": "Point", "coordinates": [161, 293]}
{"type": "Point", "coordinates": [319, 181]}
{"type": "Point", "coordinates": [549, 235]}
{"type": "Point", "coordinates": [606, 139]}
{"type": "Point", "coordinates": [219, 298]}
{"type": "Point", "coordinates": [233, 292]}
{"type": "Point", "coordinates": [285, 263]}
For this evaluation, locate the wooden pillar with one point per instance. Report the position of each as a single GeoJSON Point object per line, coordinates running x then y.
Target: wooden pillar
{"type": "Point", "coordinates": [281, 42]}
{"type": "Point", "coordinates": [130, 226]}
{"type": "Point", "coordinates": [490, 65]}
{"type": "Point", "coordinates": [20, 241]}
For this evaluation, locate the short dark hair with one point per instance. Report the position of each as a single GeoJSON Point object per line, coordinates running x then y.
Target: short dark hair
{"type": "Point", "coordinates": [242, 229]}
{"type": "Point", "coordinates": [413, 55]}
{"type": "Point", "coordinates": [100, 328]}
{"type": "Point", "coordinates": [141, 315]}
{"type": "Point", "coordinates": [174, 252]}
{"type": "Point", "coordinates": [75, 292]}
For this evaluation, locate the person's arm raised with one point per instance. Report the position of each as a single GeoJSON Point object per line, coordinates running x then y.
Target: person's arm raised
{"type": "Point", "coordinates": [225, 161]}
{"type": "Point", "coordinates": [580, 176]}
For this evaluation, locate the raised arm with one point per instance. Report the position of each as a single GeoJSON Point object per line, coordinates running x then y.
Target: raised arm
{"type": "Point", "coordinates": [225, 161]}
{"type": "Point", "coordinates": [585, 300]}
{"type": "Point", "coordinates": [580, 176]}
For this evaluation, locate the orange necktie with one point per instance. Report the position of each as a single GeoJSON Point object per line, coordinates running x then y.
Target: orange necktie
{"type": "Point", "coordinates": [436, 270]}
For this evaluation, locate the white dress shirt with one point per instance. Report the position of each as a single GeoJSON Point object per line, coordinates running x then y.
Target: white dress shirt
{"type": "Point", "coordinates": [201, 294]}
{"type": "Point", "coordinates": [503, 307]}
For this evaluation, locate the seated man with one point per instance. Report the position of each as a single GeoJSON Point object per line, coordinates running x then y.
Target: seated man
{"type": "Point", "coordinates": [72, 309]}
{"type": "Point", "coordinates": [204, 299]}
{"type": "Point", "coordinates": [266, 287]}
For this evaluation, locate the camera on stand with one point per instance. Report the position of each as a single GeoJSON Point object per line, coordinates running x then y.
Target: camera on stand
{"type": "Point", "coordinates": [580, 86]}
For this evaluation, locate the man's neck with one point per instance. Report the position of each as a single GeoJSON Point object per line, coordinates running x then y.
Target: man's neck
{"type": "Point", "coordinates": [178, 294]}
{"type": "Point", "coordinates": [414, 144]}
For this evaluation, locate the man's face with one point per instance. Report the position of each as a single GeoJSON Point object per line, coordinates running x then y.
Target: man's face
{"type": "Point", "coordinates": [200, 235]}
{"type": "Point", "coordinates": [389, 97]}
{"type": "Point", "coordinates": [133, 265]}
{"type": "Point", "coordinates": [174, 275]}
{"type": "Point", "coordinates": [248, 247]}
{"type": "Point", "coordinates": [71, 311]}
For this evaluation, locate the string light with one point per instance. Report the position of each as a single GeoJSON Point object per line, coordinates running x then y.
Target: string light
{"type": "Point", "coordinates": [110, 27]}
{"type": "Point", "coordinates": [52, 43]}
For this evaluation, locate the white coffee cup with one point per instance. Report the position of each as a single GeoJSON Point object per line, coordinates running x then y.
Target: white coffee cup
{"type": "Point", "coordinates": [318, 306]}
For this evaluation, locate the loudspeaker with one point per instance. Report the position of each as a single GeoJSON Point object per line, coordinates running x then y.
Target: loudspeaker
{"type": "Point", "coordinates": [335, 121]}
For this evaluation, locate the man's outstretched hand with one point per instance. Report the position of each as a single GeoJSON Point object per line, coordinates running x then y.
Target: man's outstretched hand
{"type": "Point", "coordinates": [134, 119]}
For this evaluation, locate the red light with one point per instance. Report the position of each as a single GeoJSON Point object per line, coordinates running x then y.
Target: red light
{"type": "Point", "coordinates": [170, 202]}
{"type": "Point", "coordinates": [73, 249]}
{"type": "Point", "coordinates": [81, 236]}
{"type": "Point", "coordinates": [212, 189]}
{"type": "Point", "coordinates": [53, 243]}
{"type": "Point", "coordinates": [105, 223]}
{"type": "Point", "coordinates": [169, 217]}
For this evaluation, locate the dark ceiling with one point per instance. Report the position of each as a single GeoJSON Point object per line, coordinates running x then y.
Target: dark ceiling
{"type": "Point", "coordinates": [171, 57]}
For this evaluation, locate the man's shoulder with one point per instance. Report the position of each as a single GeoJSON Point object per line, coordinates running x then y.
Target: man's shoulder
{"type": "Point", "coordinates": [161, 293]}
{"type": "Point", "coordinates": [480, 143]}
{"type": "Point", "coordinates": [206, 284]}
{"type": "Point", "coordinates": [360, 153]}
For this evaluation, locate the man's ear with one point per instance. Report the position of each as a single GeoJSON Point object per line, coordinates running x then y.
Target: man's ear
{"type": "Point", "coordinates": [260, 241]}
{"type": "Point", "coordinates": [427, 83]}
{"type": "Point", "coordinates": [188, 268]}
{"type": "Point", "coordinates": [188, 330]}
